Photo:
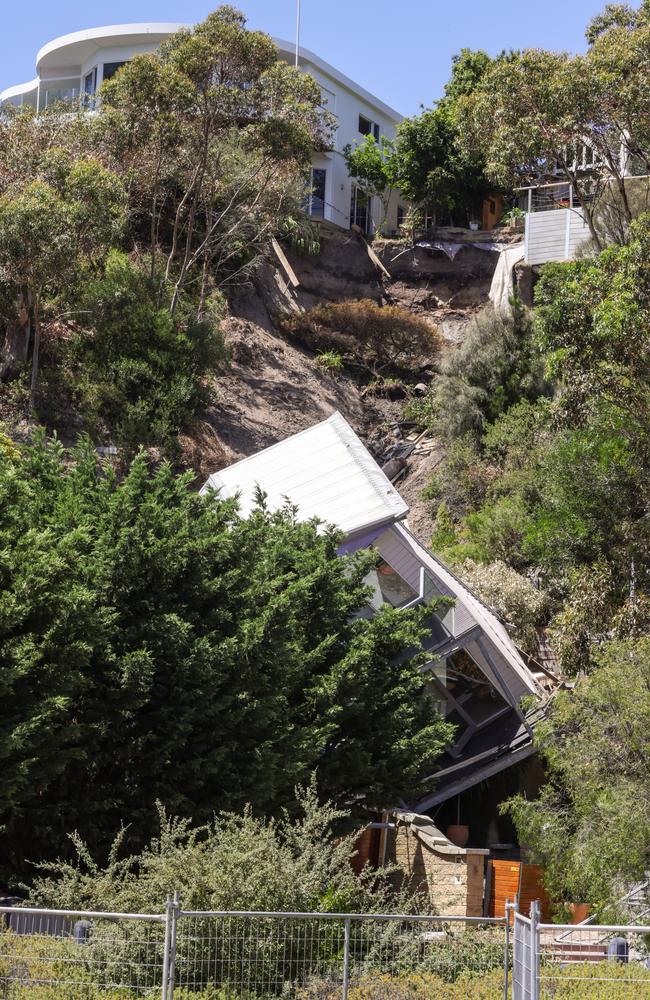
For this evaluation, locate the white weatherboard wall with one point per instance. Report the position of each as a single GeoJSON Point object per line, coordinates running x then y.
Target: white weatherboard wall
{"type": "Point", "coordinates": [554, 234]}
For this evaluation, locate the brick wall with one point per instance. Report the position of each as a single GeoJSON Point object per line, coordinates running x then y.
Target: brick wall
{"type": "Point", "coordinates": [452, 878]}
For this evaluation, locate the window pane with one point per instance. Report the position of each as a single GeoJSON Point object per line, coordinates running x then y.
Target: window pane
{"type": "Point", "coordinates": [360, 204]}
{"type": "Point", "coordinates": [430, 593]}
{"type": "Point", "coordinates": [471, 688]}
{"type": "Point", "coordinates": [68, 94]}
{"type": "Point", "coordinates": [389, 587]}
{"type": "Point", "coordinates": [365, 125]}
{"type": "Point", "coordinates": [317, 198]}
{"type": "Point", "coordinates": [110, 69]}
{"type": "Point", "coordinates": [90, 85]}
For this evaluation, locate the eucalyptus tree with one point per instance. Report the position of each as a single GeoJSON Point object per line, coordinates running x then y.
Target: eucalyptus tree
{"type": "Point", "coordinates": [538, 111]}
{"type": "Point", "coordinates": [215, 134]}
{"type": "Point", "coordinates": [62, 221]}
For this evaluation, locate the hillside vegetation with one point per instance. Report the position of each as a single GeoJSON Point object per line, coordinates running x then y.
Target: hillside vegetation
{"type": "Point", "coordinates": [120, 231]}
{"type": "Point", "coordinates": [154, 645]}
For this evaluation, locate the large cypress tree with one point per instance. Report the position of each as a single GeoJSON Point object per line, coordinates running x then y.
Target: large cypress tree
{"type": "Point", "coordinates": [156, 645]}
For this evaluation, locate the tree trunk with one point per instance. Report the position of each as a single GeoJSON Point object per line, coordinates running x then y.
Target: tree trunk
{"type": "Point", "coordinates": [37, 345]}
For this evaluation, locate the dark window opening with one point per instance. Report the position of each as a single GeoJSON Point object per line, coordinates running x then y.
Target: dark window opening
{"type": "Point", "coordinates": [366, 127]}
{"type": "Point", "coordinates": [466, 696]}
{"type": "Point", "coordinates": [90, 86]}
{"type": "Point", "coordinates": [360, 209]}
{"type": "Point", "coordinates": [316, 205]}
{"type": "Point", "coordinates": [110, 69]}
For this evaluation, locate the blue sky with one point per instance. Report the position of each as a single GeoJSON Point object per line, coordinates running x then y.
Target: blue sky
{"type": "Point", "coordinates": [401, 51]}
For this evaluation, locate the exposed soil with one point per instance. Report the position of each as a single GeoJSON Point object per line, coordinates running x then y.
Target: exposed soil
{"type": "Point", "coordinates": [274, 388]}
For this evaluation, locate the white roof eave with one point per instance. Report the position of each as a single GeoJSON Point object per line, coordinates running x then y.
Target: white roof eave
{"type": "Point", "coordinates": [20, 89]}
{"type": "Point", "coordinates": [104, 36]}
{"type": "Point", "coordinates": [310, 57]}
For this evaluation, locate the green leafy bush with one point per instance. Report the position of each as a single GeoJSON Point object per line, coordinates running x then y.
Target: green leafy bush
{"type": "Point", "coordinates": [496, 366]}
{"type": "Point", "coordinates": [590, 825]}
{"type": "Point", "coordinates": [332, 361]}
{"type": "Point", "coordinates": [512, 595]}
{"type": "Point", "coordinates": [139, 372]}
{"type": "Point", "coordinates": [156, 645]}
{"type": "Point", "coordinates": [595, 981]}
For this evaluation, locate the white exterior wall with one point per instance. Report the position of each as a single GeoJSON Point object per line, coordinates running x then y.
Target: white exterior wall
{"type": "Point", "coordinates": [554, 234]}
{"type": "Point", "coordinates": [346, 103]}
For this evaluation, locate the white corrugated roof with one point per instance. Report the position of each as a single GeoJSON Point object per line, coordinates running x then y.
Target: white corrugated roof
{"type": "Point", "coordinates": [325, 471]}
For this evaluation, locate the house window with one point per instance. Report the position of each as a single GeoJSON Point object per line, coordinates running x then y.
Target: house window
{"type": "Point", "coordinates": [465, 696]}
{"type": "Point", "coordinates": [66, 94]}
{"type": "Point", "coordinates": [360, 209]}
{"type": "Point", "coordinates": [316, 205]}
{"type": "Point", "coordinates": [389, 587]}
{"type": "Point", "coordinates": [366, 127]}
{"type": "Point", "coordinates": [401, 216]}
{"type": "Point", "coordinates": [110, 69]}
{"type": "Point", "coordinates": [90, 86]}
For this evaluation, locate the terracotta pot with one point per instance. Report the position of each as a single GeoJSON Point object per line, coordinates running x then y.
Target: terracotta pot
{"type": "Point", "coordinates": [458, 834]}
{"type": "Point", "coordinates": [579, 912]}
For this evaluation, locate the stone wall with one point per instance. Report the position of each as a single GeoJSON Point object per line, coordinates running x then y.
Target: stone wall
{"type": "Point", "coordinates": [452, 877]}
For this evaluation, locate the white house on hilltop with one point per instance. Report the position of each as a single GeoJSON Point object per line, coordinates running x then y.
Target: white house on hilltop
{"type": "Point", "coordinates": [76, 64]}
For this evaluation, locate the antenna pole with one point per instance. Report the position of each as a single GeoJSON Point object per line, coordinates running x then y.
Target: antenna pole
{"type": "Point", "coordinates": [297, 31]}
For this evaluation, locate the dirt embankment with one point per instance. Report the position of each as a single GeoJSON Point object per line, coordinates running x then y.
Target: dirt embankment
{"type": "Point", "coordinates": [275, 388]}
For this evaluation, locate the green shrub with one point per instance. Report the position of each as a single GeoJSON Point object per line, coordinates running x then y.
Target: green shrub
{"type": "Point", "coordinates": [417, 986]}
{"type": "Point", "coordinates": [512, 595]}
{"type": "Point", "coordinates": [331, 361]}
{"type": "Point", "coordinates": [444, 530]}
{"type": "Point", "coordinates": [137, 371]}
{"type": "Point", "coordinates": [496, 366]}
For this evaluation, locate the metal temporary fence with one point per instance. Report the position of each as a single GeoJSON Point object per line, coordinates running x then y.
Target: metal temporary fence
{"type": "Point", "coordinates": [525, 955]}
{"type": "Point", "coordinates": [593, 960]}
{"type": "Point", "coordinates": [80, 954]}
{"type": "Point", "coordinates": [554, 961]}
{"type": "Point", "coordinates": [183, 955]}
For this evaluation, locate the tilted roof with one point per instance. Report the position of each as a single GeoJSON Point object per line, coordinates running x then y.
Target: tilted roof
{"type": "Point", "coordinates": [325, 471]}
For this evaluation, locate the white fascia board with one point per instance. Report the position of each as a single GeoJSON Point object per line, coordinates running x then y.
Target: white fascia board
{"type": "Point", "coordinates": [106, 36]}
{"type": "Point", "coordinates": [489, 622]}
{"type": "Point", "coordinates": [305, 55]}
{"type": "Point", "coordinates": [20, 89]}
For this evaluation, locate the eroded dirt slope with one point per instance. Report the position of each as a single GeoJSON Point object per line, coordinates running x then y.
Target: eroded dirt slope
{"type": "Point", "coordinates": [275, 388]}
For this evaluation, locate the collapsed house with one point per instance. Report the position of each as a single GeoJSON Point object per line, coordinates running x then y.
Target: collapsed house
{"type": "Point", "coordinates": [479, 676]}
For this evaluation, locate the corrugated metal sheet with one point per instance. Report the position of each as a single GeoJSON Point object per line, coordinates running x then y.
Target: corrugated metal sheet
{"type": "Point", "coordinates": [325, 471]}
